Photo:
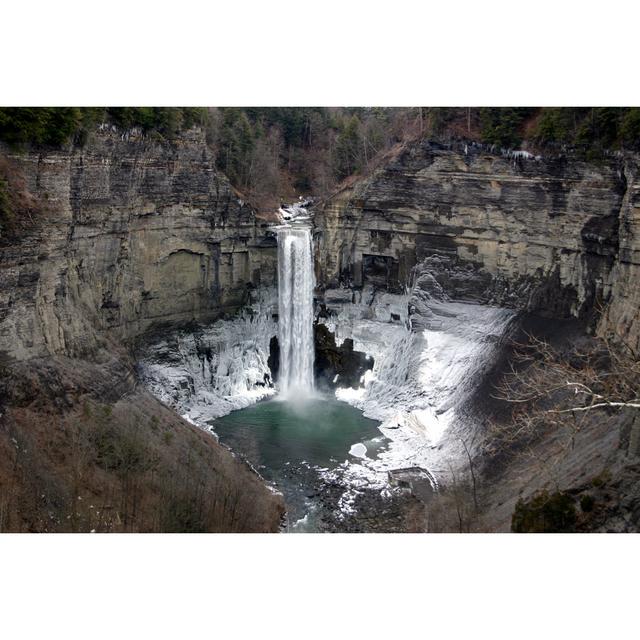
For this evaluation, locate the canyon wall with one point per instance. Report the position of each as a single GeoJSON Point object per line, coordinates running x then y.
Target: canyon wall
{"type": "Point", "coordinates": [129, 235]}
{"type": "Point", "coordinates": [556, 236]}
{"type": "Point", "coordinates": [134, 234]}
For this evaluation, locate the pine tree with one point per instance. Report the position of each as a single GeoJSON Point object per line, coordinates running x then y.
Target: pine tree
{"type": "Point", "coordinates": [347, 159]}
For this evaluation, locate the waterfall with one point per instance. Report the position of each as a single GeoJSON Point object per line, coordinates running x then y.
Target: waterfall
{"type": "Point", "coordinates": [295, 309]}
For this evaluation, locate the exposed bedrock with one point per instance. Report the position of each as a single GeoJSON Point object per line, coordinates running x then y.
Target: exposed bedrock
{"type": "Point", "coordinates": [556, 236]}
{"type": "Point", "coordinates": [274, 357]}
{"type": "Point", "coordinates": [338, 366]}
{"type": "Point", "coordinates": [137, 234]}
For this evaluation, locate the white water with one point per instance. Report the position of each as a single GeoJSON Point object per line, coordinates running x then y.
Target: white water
{"type": "Point", "coordinates": [295, 310]}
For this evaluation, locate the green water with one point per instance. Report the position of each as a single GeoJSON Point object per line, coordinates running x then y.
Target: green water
{"type": "Point", "coordinates": [290, 443]}
{"type": "Point", "coordinates": [318, 431]}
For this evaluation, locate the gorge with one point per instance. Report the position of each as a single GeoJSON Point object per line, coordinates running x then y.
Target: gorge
{"type": "Point", "coordinates": [246, 301]}
{"type": "Point", "coordinates": [148, 303]}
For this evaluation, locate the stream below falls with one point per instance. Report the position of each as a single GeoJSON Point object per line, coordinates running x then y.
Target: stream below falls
{"type": "Point", "coordinates": [295, 443]}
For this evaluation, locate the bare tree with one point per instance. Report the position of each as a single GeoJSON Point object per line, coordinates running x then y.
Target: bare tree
{"type": "Point", "coordinates": [557, 391]}
{"type": "Point", "coordinates": [472, 473]}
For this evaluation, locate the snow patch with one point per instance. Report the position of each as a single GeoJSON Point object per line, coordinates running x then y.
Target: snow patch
{"type": "Point", "coordinates": [419, 381]}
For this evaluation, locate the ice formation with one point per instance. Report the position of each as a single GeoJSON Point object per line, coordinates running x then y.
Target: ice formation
{"type": "Point", "coordinates": [214, 370]}
{"type": "Point", "coordinates": [429, 355]}
{"type": "Point", "coordinates": [421, 377]}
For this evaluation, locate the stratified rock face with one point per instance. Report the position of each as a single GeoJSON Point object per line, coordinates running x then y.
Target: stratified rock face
{"type": "Point", "coordinates": [622, 315]}
{"type": "Point", "coordinates": [137, 234]}
{"type": "Point", "coordinates": [556, 236]}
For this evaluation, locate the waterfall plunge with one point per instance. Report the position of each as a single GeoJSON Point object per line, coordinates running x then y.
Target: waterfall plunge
{"type": "Point", "coordinates": [295, 310]}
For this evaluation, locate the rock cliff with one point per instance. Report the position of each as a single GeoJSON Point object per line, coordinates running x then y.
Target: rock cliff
{"type": "Point", "coordinates": [556, 236]}
{"type": "Point", "coordinates": [132, 235]}
{"type": "Point", "coordinates": [136, 234]}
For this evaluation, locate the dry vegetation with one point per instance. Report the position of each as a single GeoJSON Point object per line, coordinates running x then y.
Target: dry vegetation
{"type": "Point", "coordinates": [272, 155]}
{"type": "Point", "coordinates": [71, 463]}
{"type": "Point", "coordinates": [555, 391]}
{"type": "Point", "coordinates": [19, 209]}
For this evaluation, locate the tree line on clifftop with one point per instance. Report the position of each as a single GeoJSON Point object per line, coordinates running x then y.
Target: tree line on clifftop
{"type": "Point", "coordinates": [273, 153]}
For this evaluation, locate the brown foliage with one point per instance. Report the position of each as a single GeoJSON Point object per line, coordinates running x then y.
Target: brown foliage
{"type": "Point", "coordinates": [19, 209]}
{"type": "Point", "coordinates": [127, 466]}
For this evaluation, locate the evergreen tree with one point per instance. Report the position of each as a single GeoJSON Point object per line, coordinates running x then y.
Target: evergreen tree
{"type": "Point", "coordinates": [502, 126]}
{"type": "Point", "coordinates": [347, 159]}
{"type": "Point", "coordinates": [630, 129]}
{"type": "Point", "coordinates": [236, 145]}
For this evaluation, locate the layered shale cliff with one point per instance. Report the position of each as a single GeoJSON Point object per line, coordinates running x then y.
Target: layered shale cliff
{"type": "Point", "coordinates": [135, 234]}
{"type": "Point", "coordinates": [131, 235]}
{"type": "Point", "coordinates": [555, 236]}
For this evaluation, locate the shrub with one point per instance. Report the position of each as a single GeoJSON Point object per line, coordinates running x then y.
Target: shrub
{"type": "Point", "coordinates": [601, 479]}
{"type": "Point", "coordinates": [587, 503]}
{"type": "Point", "coordinates": [19, 209]}
{"type": "Point", "coordinates": [6, 210]}
{"type": "Point", "coordinates": [545, 513]}
{"type": "Point", "coordinates": [184, 512]}
{"type": "Point", "coordinates": [118, 448]}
